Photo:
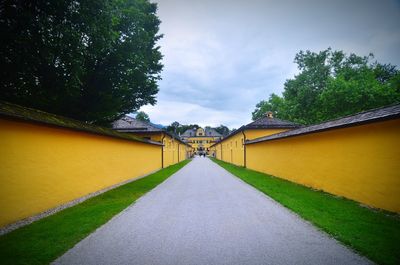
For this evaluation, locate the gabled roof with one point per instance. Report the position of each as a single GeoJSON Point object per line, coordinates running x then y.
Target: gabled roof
{"type": "Point", "coordinates": [265, 122]}
{"type": "Point", "coordinates": [129, 124]}
{"type": "Point", "coordinates": [380, 114]}
{"type": "Point", "coordinates": [132, 125]}
{"type": "Point", "coordinates": [188, 133]}
{"type": "Point", "coordinates": [12, 111]}
{"type": "Point", "coordinates": [211, 132]}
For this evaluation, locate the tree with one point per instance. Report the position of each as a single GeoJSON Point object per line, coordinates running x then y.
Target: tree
{"type": "Point", "coordinates": [93, 60]}
{"type": "Point", "coordinates": [174, 127]}
{"type": "Point", "coordinates": [332, 84]}
{"type": "Point", "coordinates": [274, 104]}
{"type": "Point", "coordinates": [142, 116]}
{"type": "Point", "coordinates": [222, 129]}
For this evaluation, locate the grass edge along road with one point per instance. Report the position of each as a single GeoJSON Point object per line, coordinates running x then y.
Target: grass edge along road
{"type": "Point", "coordinates": [45, 240]}
{"type": "Point", "coordinates": [371, 232]}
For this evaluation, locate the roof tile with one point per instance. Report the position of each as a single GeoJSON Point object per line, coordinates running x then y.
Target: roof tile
{"type": "Point", "coordinates": [384, 113]}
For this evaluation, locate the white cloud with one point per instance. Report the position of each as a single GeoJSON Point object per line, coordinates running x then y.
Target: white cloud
{"type": "Point", "coordinates": [222, 57]}
{"type": "Point", "coordinates": [188, 113]}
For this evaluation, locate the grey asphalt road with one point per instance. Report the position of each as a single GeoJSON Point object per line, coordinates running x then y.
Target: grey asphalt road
{"type": "Point", "coordinates": [204, 215]}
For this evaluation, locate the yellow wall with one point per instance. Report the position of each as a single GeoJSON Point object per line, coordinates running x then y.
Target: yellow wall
{"type": "Point", "coordinates": [257, 133]}
{"type": "Point", "coordinates": [231, 149]}
{"type": "Point", "coordinates": [151, 136]}
{"type": "Point", "coordinates": [184, 152]}
{"type": "Point", "coordinates": [43, 167]}
{"type": "Point", "coordinates": [361, 163]}
{"type": "Point", "coordinates": [171, 147]}
{"type": "Point", "coordinates": [169, 155]}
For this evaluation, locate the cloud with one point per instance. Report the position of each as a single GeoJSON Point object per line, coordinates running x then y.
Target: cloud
{"type": "Point", "coordinates": [223, 57]}
{"type": "Point", "coordinates": [189, 113]}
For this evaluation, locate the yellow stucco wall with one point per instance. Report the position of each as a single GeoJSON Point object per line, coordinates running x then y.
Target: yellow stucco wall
{"type": "Point", "coordinates": [151, 136]}
{"type": "Point", "coordinates": [174, 151]}
{"type": "Point", "coordinates": [168, 151]}
{"type": "Point", "coordinates": [171, 147]}
{"type": "Point", "coordinates": [231, 149]}
{"type": "Point", "coordinates": [43, 167]}
{"type": "Point", "coordinates": [257, 133]}
{"type": "Point", "coordinates": [183, 152]}
{"type": "Point", "coordinates": [361, 163]}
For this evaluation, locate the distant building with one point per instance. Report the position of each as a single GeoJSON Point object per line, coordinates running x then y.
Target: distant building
{"type": "Point", "coordinates": [201, 139]}
{"type": "Point", "coordinates": [174, 148]}
{"type": "Point", "coordinates": [232, 149]}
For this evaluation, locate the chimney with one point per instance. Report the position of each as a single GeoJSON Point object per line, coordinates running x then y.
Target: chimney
{"type": "Point", "coordinates": [269, 114]}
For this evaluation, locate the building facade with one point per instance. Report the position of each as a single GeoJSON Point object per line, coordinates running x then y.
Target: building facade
{"type": "Point", "coordinates": [201, 139]}
{"type": "Point", "coordinates": [232, 148]}
{"type": "Point", "coordinates": [174, 149]}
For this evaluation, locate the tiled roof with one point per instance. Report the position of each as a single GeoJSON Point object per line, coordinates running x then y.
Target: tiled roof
{"type": "Point", "coordinates": [13, 111]}
{"type": "Point", "coordinates": [269, 122]}
{"type": "Point", "coordinates": [385, 113]}
{"type": "Point", "coordinates": [188, 133]}
{"type": "Point", "coordinates": [212, 132]}
{"type": "Point", "coordinates": [129, 124]}
{"type": "Point", "coordinates": [265, 122]}
{"type": "Point", "coordinates": [208, 132]}
{"type": "Point", "coordinates": [132, 125]}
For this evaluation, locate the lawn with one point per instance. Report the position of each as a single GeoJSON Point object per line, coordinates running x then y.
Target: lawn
{"type": "Point", "coordinates": [43, 241]}
{"type": "Point", "coordinates": [373, 233]}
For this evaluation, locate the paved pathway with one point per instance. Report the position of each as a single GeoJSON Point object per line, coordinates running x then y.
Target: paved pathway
{"type": "Point", "coordinates": [204, 215]}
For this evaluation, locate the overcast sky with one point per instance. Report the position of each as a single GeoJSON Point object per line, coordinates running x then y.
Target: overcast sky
{"type": "Point", "coordinates": [222, 57]}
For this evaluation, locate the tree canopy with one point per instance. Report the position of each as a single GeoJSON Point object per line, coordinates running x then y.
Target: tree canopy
{"type": "Point", "coordinates": [92, 60]}
{"type": "Point", "coordinates": [223, 130]}
{"type": "Point", "coordinates": [178, 128]}
{"type": "Point", "coordinates": [331, 84]}
{"type": "Point", "coordinates": [142, 116]}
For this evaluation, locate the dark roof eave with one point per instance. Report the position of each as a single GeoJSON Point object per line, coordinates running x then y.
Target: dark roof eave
{"type": "Point", "coordinates": [209, 136]}
{"type": "Point", "coordinates": [300, 131]}
{"type": "Point", "coordinates": [130, 130]}
{"type": "Point", "coordinates": [272, 127]}
{"type": "Point", "coordinates": [16, 112]}
{"type": "Point", "coordinates": [176, 137]}
{"type": "Point", "coordinates": [137, 131]}
{"type": "Point", "coordinates": [246, 127]}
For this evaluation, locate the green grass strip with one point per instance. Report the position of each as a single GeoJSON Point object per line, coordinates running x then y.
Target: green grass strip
{"type": "Point", "coordinates": [373, 233]}
{"type": "Point", "coordinates": [43, 241]}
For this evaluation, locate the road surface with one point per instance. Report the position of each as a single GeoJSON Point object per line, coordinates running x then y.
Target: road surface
{"type": "Point", "coordinates": [204, 215]}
